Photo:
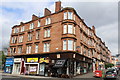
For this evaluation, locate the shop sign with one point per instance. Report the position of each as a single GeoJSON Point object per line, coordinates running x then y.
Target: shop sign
{"type": "Point", "coordinates": [59, 63]}
{"type": "Point", "coordinates": [9, 61]}
{"type": "Point", "coordinates": [32, 60]}
{"type": "Point", "coordinates": [17, 60]}
{"type": "Point", "coordinates": [33, 69]}
{"type": "Point", "coordinates": [44, 60]}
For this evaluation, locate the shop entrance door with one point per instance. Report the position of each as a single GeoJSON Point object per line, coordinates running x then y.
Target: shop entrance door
{"type": "Point", "coordinates": [42, 69]}
{"type": "Point", "coordinates": [17, 68]}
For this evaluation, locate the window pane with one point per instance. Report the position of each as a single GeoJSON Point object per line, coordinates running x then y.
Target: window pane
{"type": "Point", "coordinates": [45, 33]}
{"type": "Point", "coordinates": [70, 15]}
{"type": "Point", "coordinates": [48, 47]}
{"type": "Point", "coordinates": [38, 24]}
{"type": "Point", "coordinates": [45, 47]}
{"type": "Point", "coordinates": [70, 45]}
{"type": "Point", "coordinates": [48, 33]}
{"type": "Point", "coordinates": [64, 45]}
{"type": "Point", "coordinates": [65, 29]}
{"type": "Point", "coordinates": [70, 29]}
{"type": "Point", "coordinates": [65, 15]}
{"type": "Point", "coordinates": [36, 48]}
{"type": "Point", "coordinates": [74, 46]}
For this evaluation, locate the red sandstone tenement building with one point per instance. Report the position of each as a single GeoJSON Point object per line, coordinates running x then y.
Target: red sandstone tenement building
{"type": "Point", "coordinates": [56, 44]}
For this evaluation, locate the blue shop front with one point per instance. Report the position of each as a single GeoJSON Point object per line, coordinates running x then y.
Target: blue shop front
{"type": "Point", "coordinates": [9, 65]}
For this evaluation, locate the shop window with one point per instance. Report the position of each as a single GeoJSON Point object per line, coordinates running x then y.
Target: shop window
{"type": "Point", "coordinates": [36, 48]}
{"type": "Point", "coordinates": [37, 34]}
{"type": "Point", "coordinates": [31, 26]}
{"type": "Point", "coordinates": [48, 21]}
{"type": "Point", "coordinates": [38, 25]}
{"type": "Point", "coordinates": [47, 33]}
{"type": "Point", "coordinates": [46, 47]}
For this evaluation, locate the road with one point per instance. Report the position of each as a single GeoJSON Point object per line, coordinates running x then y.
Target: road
{"type": "Point", "coordinates": [82, 77]}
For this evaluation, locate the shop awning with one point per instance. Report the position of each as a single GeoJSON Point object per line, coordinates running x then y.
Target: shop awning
{"type": "Point", "coordinates": [59, 63]}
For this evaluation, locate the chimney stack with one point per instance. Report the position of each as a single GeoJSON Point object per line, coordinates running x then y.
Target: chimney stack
{"type": "Point", "coordinates": [57, 6]}
{"type": "Point", "coordinates": [47, 12]}
{"type": "Point", "coordinates": [93, 28]}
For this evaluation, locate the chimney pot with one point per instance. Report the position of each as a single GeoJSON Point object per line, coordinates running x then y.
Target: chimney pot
{"type": "Point", "coordinates": [93, 28]}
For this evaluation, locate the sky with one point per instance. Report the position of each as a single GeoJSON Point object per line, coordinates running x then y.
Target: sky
{"type": "Point", "coordinates": [102, 14]}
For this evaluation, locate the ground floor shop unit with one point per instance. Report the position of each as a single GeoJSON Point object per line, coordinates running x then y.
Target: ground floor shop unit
{"type": "Point", "coordinates": [62, 64]}
{"type": "Point", "coordinates": [17, 65]}
{"type": "Point", "coordinates": [9, 65]}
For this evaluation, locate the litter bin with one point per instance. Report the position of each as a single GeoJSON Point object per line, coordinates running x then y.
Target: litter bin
{"type": "Point", "coordinates": [98, 73]}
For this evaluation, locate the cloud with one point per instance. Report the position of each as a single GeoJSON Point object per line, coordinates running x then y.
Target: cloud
{"type": "Point", "coordinates": [109, 34]}
{"type": "Point", "coordinates": [103, 15]}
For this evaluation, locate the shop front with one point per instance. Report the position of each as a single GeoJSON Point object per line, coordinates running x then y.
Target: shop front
{"type": "Point", "coordinates": [9, 65]}
{"type": "Point", "coordinates": [32, 66]}
{"type": "Point", "coordinates": [43, 66]}
{"type": "Point", "coordinates": [17, 66]}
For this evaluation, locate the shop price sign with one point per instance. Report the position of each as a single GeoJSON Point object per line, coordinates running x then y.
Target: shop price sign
{"type": "Point", "coordinates": [32, 60]}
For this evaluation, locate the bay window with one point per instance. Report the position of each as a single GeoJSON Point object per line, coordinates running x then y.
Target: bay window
{"type": "Point", "coordinates": [69, 45]}
{"type": "Point", "coordinates": [68, 15]}
{"type": "Point", "coordinates": [68, 28]}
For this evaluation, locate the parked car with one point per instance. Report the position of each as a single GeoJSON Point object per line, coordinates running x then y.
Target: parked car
{"type": "Point", "coordinates": [110, 74]}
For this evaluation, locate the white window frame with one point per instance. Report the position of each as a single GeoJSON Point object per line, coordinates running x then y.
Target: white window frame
{"type": "Point", "coordinates": [70, 29]}
{"type": "Point", "coordinates": [65, 15]}
{"type": "Point", "coordinates": [19, 49]}
{"type": "Point", "coordinates": [36, 48]}
{"type": "Point", "coordinates": [64, 29]}
{"type": "Point", "coordinates": [48, 21]}
{"type": "Point", "coordinates": [70, 15]}
{"type": "Point", "coordinates": [31, 26]}
{"type": "Point", "coordinates": [64, 44]}
{"type": "Point", "coordinates": [70, 44]}
{"type": "Point", "coordinates": [37, 34]}
{"type": "Point", "coordinates": [46, 47]}
{"type": "Point", "coordinates": [38, 25]}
